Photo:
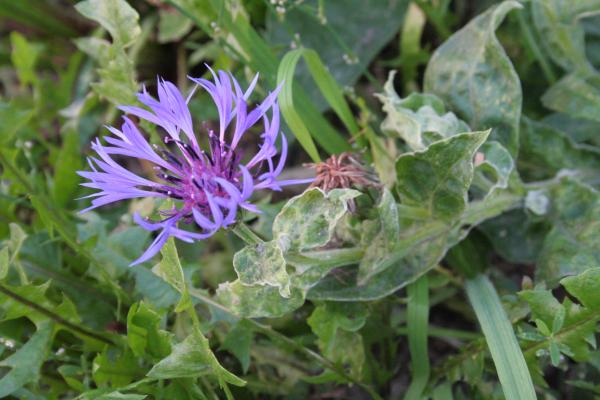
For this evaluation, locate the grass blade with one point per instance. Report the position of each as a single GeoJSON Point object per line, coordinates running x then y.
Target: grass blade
{"type": "Point", "coordinates": [417, 321]}
{"type": "Point", "coordinates": [500, 337]}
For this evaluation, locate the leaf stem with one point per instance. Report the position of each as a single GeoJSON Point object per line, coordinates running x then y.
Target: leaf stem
{"type": "Point", "coordinates": [245, 233]}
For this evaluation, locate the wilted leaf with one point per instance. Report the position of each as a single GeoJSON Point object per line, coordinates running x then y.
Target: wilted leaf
{"type": "Point", "coordinates": [474, 76]}
{"type": "Point", "coordinates": [419, 119]}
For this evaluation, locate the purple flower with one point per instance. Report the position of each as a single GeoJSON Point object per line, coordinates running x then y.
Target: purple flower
{"type": "Point", "coordinates": [207, 185]}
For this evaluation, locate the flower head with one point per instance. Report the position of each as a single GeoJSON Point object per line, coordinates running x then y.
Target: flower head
{"type": "Point", "coordinates": [208, 185]}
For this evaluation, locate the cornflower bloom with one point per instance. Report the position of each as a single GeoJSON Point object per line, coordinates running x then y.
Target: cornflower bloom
{"type": "Point", "coordinates": [208, 187]}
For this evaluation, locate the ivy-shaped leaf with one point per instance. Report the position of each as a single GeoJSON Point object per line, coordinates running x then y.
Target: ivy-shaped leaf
{"type": "Point", "coordinates": [308, 221]}
{"type": "Point", "coordinates": [263, 264]}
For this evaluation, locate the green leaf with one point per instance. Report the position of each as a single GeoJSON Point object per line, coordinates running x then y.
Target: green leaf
{"type": "Point", "coordinates": [192, 358]}
{"type": "Point", "coordinates": [380, 236]}
{"type": "Point", "coordinates": [419, 119]}
{"type": "Point", "coordinates": [4, 263]}
{"type": "Point", "coordinates": [114, 368]}
{"type": "Point", "coordinates": [546, 150]}
{"type": "Point", "coordinates": [579, 322]}
{"type": "Point", "coordinates": [116, 16]}
{"type": "Point", "coordinates": [26, 362]}
{"type": "Point", "coordinates": [585, 287]}
{"type": "Point", "coordinates": [144, 333]}
{"type": "Point", "coordinates": [493, 172]}
{"type": "Point", "coordinates": [285, 74]}
{"type": "Point", "coordinates": [239, 341]}
{"type": "Point", "coordinates": [24, 57]}
{"type": "Point", "coordinates": [337, 32]}
{"type": "Point", "coordinates": [418, 322]}
{"type": "Point", "coordinates": [263, 264]}
{"type": "Point", "coordinates": [13, 117]}
{"type": "Point", "coordinates": [438, 178]}
{"type": "Point", "coordinates": [336, 326]}
{"type": "Point", "coordinates": [66, 180]}
{"type": "Point", "coordinates": [172, 26]}
{"type": "Point", "coordinates": [307, 221]}
{"type": "Point", "coordinates": [570, 246]}
{"type": "Point", "coordinates": [561, 32]}
{"type": "Point", "coordinates": [474, 76]}
{"type": "Point", "coordinates": [500, 338]}
{"type": "Point", "coordinates": [577, 94]}
{"type": "Point", "coordinates": [169, 269]}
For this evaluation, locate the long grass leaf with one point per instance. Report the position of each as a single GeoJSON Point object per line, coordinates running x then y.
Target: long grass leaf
{"type": "Point", "coordinates": [417, 321]}
{"type": "Point", "coordinates": [500, 337]}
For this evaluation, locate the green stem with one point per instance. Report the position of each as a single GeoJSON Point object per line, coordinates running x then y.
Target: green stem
{"type": "Point", "coordinates": [56, 318]}
{"type": "Point", "coordinates": [245, 233]}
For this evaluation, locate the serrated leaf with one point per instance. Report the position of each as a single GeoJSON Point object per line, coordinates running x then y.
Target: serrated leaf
{"type": "Point", "coordinates": [144, 334]}
{"type": "Point", "coordinates": [438, 178]}
{"type": "Point", "coordinates": [419, 119]}
{"type": "Point", "coordinates": [380, 236]}
{"type": "Point", "coordinates": [307, 221]}
{"type": "Point", "coordinates": [192, 358]}
{"type": "Point", "coordinates": [24, 57]}
{"type": "Point", "coordinates": [263, 264]}
{"type": "Point", "coordinates": [238, 341]}
{"type": "Point", "coordinates": [116, 16]}
{"type": "Point", "coordinates": [579, 321]}
{"type": "Point", "coordinates": [12, 118]}
{"type": "Point", "coordinates": [336, 326]}
{"type": "Point", "coordinates": [114, 368]}
{"type": "Point", "coordinates": [169, 269]}
{"type": "Point", "coordinates": [474, 76]}
{"type": "Point", "coordinates": [26, 362]}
